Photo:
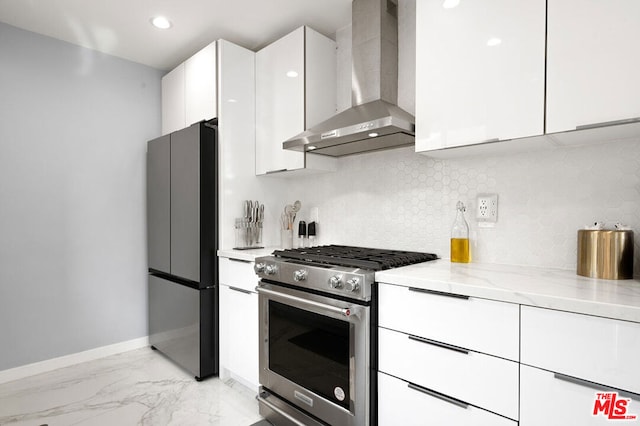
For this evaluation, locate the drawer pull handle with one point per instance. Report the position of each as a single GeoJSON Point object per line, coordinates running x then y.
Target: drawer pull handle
{"type": "Point", "coordinates": [239, 260]}
{"type": "Point", "coordinates": [439, 396]}
{"type": "Point", "coordinates": [240, 290]}
{"type": "Point", "coordinates": [608, 123]}
{"type": "Point", "coordinates": [439, 293]}
{"type": "Point", "coordinates": [596, 386]}
{"type": "Point", "coordinates": [439, 344]}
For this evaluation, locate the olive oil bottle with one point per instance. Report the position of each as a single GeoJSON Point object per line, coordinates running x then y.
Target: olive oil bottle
{"type": "Point", "coordinates": [460, 252]}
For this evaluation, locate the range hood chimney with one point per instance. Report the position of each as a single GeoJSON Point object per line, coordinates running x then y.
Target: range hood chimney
{"type": "Point", "coordinates": [375, 121]}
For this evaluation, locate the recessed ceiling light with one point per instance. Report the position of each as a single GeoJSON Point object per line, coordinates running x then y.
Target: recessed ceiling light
{"type": "Point", "coordinates": [450, 4]}
{"type": "Point", "coordinates": [493, 41]}
{"type": "Point", "coordinates": [161, 22]}
{"type": "Point", "coordinates": [311, 148]}
{"type": "Point", "coordinates": [373, 134]}
{"type": "Point", "coordinates": [292, 74]}
{"type": "Point", "coordinates": [232, 101]}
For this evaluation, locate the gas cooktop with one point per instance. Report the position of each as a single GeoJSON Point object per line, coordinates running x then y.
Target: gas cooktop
{"type": "Point", "coordinates": [356, 257]}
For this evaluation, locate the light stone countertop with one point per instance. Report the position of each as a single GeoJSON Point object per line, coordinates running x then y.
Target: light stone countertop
{"type": "Point", "coordinates": [542, 287]}
{"type": "Point", "coordinates": [249, 254]}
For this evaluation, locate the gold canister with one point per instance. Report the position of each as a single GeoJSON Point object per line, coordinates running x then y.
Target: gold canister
{"type": "Point", "coordinates": [606, 254]}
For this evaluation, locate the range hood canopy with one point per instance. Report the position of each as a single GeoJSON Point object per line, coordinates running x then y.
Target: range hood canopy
{"type": "Point", "coordinates": [375, 122]}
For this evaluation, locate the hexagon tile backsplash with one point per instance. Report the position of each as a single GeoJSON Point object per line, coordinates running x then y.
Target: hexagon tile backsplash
{"type": "Point", "coordinates": [403, 200]}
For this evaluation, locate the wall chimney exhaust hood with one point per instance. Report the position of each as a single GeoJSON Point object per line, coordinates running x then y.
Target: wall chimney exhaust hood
{"type": "Point", "coordinates": [375, 122]}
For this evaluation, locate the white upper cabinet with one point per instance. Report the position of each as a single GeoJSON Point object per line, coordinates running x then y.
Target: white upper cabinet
{"type": "Point", "coordinates": [189, 91]}
{"type": "Point", "coordinates": [295, 89]}
{"type": "Point", "coordinates": [173, 117]}
{"type": "Point", "coordinates": [200, 85]}
{"type": "Point", "coordinates": [593, 58]}
{"type": "Point", "coordinates": [279, 102]}
{"type": "Point", "coordinates": [479, 71]}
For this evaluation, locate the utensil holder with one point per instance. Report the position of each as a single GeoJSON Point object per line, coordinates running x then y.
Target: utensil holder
{"type": "Point", "coordinates": [606, 254]}
{"type": "Point", "coordinates": [286, 238]}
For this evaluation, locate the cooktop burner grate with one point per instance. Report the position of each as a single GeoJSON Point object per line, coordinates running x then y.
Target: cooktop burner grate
{"type": "Point", "coordinates": [358, 257]}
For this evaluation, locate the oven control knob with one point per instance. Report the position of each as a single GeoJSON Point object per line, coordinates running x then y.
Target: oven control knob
{"type": "Point", "coordinates": [335, 281]}
{"type": "Point", "coordinates": [270, 269]}
{"type": "Point", "coordinates": [300, 275]}
{"type": "Point", "coordinates": [259, 267]}
{"type": "Point", "coordinates": [352, 285]}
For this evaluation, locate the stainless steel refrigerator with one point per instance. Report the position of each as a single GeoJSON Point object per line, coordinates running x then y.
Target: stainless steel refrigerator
{"type": "Point", "coordinates": [182, 193]}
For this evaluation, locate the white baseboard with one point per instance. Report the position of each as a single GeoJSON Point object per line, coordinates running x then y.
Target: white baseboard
{"type": "Point", "coordinates": [72, 359]}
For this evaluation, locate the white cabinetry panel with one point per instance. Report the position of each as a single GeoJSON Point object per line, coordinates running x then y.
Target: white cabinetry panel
{"type": "Point", "coordinates": [592, 62]}
{"type": "Point", "coordinates": [320, 78]}
{"type": "Point", "coordinates": [597, 349]}
{"type": "Point", "coordinates": [173, 98]}
{"type": "Point", "coordinates": [406, 406]}
{"type": "Point", "coordinates": [200, 85]}
{"type": "Point", "coordinates": [480, 69]}
{"type": "Point", "coordinates": [238, 322]}
{"type": "Point", "coordinates": [189, 91]}
{"type": "Point", "coordinates": [547, 400]}
{"type": "Point", "coordinates": [279, 102]}
{"type": "Point", "coordinates": [238, 273]}
{"type": "Point", "coordinates": [477, 324]}
{"type": "Point", "coordinates": [482, 380]}
{"type": "Point", "coordinates": [295, 89]}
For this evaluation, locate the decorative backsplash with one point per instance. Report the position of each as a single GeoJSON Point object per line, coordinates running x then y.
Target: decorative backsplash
{"type": "Point", "coordinates": [402, 200]}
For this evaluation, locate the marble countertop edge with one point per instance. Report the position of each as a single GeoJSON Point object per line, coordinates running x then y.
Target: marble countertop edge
{"type": "Point", "coordinates": [532, 286]}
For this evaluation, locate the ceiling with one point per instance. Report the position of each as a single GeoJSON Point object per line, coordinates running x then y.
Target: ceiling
{"type": "Point", "coordinates": [122, 27]}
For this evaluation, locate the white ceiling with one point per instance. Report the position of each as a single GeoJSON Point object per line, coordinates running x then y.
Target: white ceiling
{"type": "Point", "coordinates": [122, 28]}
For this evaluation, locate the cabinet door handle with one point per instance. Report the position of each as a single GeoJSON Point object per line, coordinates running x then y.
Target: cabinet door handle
{"type": "Point", "coordinates": [491, 140]}
{"type": "Point", "coordinates": [608, 123]}
{"type": "Point", "coordinates": [240, 290]}
{"type": "Point", "coordinates": [439, 396]}
{"type": "Point", "coordinates": [439, 293]}
{"type": "Point", "coordinates": [275, 171]}
{"type": "Point", "coordinates": [596, 386]}
{"type": "Point", "coordinates": [439, 344]}
{"type": "Point", "coordinates": [238, 260]}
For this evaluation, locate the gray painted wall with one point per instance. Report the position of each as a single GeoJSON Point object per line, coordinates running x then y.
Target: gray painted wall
{"type": "Point", "coordinates": [73, 130]}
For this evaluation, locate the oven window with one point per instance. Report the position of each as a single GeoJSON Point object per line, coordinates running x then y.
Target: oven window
{"type": "Point", "coordinates": [311, 350]}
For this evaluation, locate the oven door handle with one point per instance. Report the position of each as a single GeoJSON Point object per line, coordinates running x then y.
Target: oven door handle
{"type": "Point", "coordinates": [340, 311]}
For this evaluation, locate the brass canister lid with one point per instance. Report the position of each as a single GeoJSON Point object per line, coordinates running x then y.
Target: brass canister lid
{"type": "Point", "coordinates": [605, 254]}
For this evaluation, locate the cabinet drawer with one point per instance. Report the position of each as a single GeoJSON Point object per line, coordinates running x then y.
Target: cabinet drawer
{"type": "Point", "coordinates": [400, 404]}
{"type": "Point", "coordinates": [482, 380]}
{"type": "Point", "coordinates": [598, 349]}
{"type": "Point", "coordinates": [239, 335]}
{"type": "Point", "coordinates": [548, 400]}
{"type": "Point", "coordinates": [477, 324]}
{"type": "Point", "coordinates": [238, 273]}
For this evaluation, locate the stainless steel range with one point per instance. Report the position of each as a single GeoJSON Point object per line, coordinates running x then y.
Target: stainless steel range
{"type": "Point", "coordinates": [318, 339]}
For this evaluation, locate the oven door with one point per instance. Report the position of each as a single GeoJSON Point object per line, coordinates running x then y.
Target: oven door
{"type": "Point", "coordinates": [314, 353]}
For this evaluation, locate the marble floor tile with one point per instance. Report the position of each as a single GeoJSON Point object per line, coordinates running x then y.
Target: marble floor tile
{"type": "Point", "coordinates": [139, 387]}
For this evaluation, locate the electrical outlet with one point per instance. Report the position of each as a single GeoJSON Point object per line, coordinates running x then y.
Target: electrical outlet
{"type": "Point", "coordinates": [487, 209]}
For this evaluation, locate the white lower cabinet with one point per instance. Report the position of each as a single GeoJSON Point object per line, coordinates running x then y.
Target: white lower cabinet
{"type": "Point", "coordinates": [449, 359]}
{"type": "Point", "coordinates": [550, 399]}
{"type": "Point", "coordinates": [573, 364]}
{"type": "Point", "coordinates": [601, 350]}
{"type": "Point", "coordinates": [481, 325]}
{"type": "Point", "coordinates": [403, 403]}
{"type": "Point", "coordinates": [482, 380]}
{"type": "Point", "coordinates": [238, 322]}
{"type": "Point", "coordinates": [437, 359]}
